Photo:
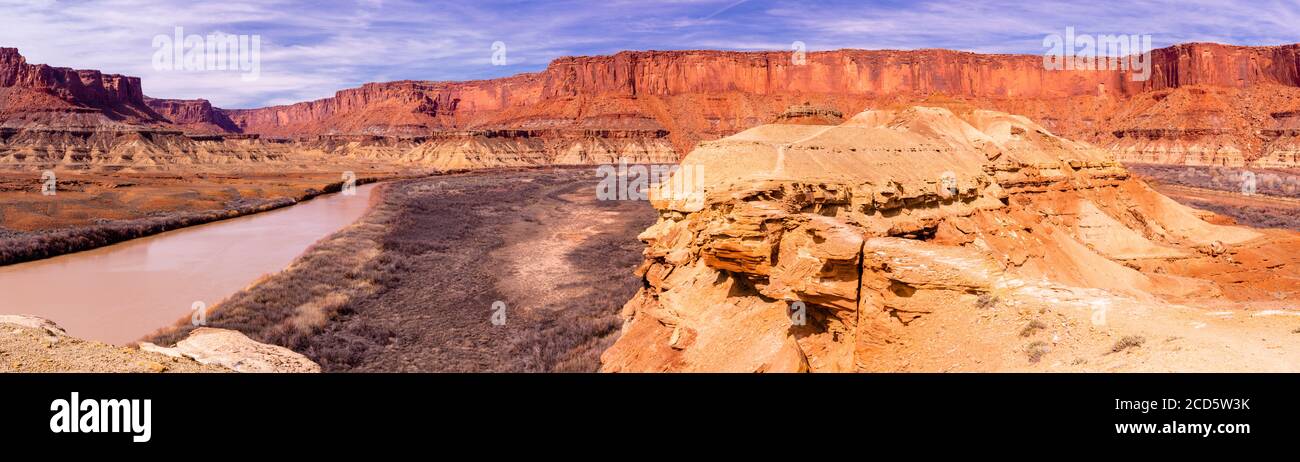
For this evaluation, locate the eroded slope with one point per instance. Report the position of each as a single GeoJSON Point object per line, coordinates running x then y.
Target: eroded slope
{"type": "Point", "coordinates": [923, 239]}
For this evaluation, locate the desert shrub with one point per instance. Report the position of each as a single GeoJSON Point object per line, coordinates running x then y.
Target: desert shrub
{"type": "Point", "coordinates": [1032, 327]}
{"type": "Point", "coordinates": [1126, 342]}
{"type": "Point", "coordinates": [1036, 351]}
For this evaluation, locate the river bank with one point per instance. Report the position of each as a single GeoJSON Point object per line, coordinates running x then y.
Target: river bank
{"type": "Point", "coordinates": [24, 246]}
{"type": "Point", "coordinates": [118, 293]}
{"type": "Point", "coordinates": [415, 283]}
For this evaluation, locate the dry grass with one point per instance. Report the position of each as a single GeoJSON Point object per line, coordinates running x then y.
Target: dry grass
{"type": "Point", "coordinates": [1033, 327]}
{"type": "Point", "coordinates": [409, 288]}
{"type": "Point", "coordinates": [18, 247]}
{"type": "Point", "coordinates": [1280, 183]}
{"type": "Point", "coordinates": [1036, 351]}
{"type": "Point", "coordinates": [1128, 341]}
{"type": "Point", "coordinates": [1277, 183]}
{"type": "Point", "coordinates": [288, 308]}
{"type": "Point", "coordinates": [21, 247]}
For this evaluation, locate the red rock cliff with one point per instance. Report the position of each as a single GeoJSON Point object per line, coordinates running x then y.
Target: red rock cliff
{"type": "Point", "coordinates": [196, 115]}
{"type": "Point", "coordinates": [29, 86]}
{"type": "Point", "coordinates": [700, 95]}
{"type": "Point", "coordinates": [1203, 103]}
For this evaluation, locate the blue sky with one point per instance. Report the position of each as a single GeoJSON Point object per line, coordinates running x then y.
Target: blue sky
{"type": "Point", "coordinates": [310, 49]}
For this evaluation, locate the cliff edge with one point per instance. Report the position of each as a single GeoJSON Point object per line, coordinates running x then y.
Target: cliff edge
{"type": "Point", "coordinates": [944, 239]}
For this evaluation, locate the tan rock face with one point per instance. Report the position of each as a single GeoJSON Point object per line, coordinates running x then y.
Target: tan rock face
{"type": "Point", "coordinates": [235, 351]}
{"type": "Point", "coordinates": [194, 115]}
{"type": "Point", "coordinates": [841, 247]}
{"type": "Point", "coordinates": [33, 322]}
{"type": "Point", "coordinates": [32, 344]}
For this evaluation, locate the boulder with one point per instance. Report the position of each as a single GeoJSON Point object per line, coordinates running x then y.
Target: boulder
{"type": "Point", "coordinates": [237, 352]}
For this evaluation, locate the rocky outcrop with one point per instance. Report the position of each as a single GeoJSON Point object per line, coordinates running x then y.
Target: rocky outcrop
{"type": "Point", "coordinates": [235, 351]}
{"type": "Point", "coordinates": [921, 238]}
{"type": "Point", "coordinates": [808, 114]}
{"type": "Point", "coordinates": [32, 344]}
{"type": "Point", "coordinates": [32, 89]}
{"type": "Point", "coordinates": [193, 115]}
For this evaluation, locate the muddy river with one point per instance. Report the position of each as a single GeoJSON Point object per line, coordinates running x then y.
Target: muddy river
{"type": "Point", "coordinates": [120, 293]}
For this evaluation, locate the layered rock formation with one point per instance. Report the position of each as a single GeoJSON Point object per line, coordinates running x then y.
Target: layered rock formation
{"type": "Point", "coordinates": [920, 238]}
{"type": "Point", "coordinates": [32, 94]}
{"type": "Point", "coordinates": [1204, 104]}
{"type": "Point", "coordinates": [702, 95]}
{"type": "Point", "coordinates": [57, 118]}
{"type": "Point", "coordinates": [193, 115]}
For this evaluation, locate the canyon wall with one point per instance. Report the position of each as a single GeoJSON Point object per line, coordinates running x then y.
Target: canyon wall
{"type": "Point", "coordinates": [193, 115]}
{"type": "Point", "coordinates": [37, 93]}
{"type": "Point", "coordinates": [58, 118]}
{"type": "Point", "coordinates": [1204, 104]}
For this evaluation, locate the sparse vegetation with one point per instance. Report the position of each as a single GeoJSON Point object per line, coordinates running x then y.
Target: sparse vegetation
{"type": "Point", "coordinates": [1258, 216]}
{"type": "Point", "coordinates": [1036, 351]}
{"type": "Point", "coordinates": [1126, 342]}
{"type": "Point", "coordinates": [409, 288]}
{"type": "Point", "coordinates": [1276, 183]}
{"type": "Point", "coordinates": [18, 247]}
{"type": "Point", "coordinates": [1033, 327]}
{"type": "Point", "coordinates": [21, 247]}
{"type": "Point", "coordinates": [1280, 183]}
{"type": "Point", "coordinates": [986, 301]}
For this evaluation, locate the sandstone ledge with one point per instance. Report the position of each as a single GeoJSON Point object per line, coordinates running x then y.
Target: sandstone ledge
{"type": "Point", "coordinates": [927, 239]}
{"type": "Point", "coordinates": [32, 344]}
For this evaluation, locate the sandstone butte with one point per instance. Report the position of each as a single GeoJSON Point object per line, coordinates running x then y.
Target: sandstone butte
{"type": "Point", "coordinates": [945, 239]}
{"type": "Point", "coordinates": [1204, 104]}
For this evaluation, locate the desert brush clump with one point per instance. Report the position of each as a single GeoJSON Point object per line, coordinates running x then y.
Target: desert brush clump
{"type": "Point", "coordinates": [1036, 350]}
{"type": "Point", "coordinates": [1033, 327]}
{"type": "Point", "coordinates": [986, 301]}
{"type": "Point", "coordinates": [1127, 342]}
